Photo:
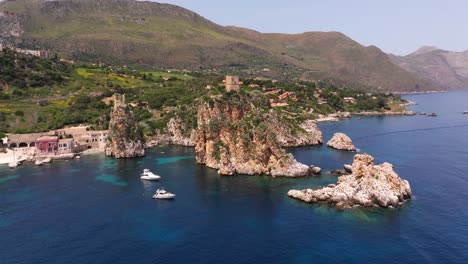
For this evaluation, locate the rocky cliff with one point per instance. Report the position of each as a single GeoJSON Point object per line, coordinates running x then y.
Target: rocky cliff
{"type": "Point", "coordinates": [368, 185]}
{"type": "Point", "coordinates": [176, 133]}
{"type": "Point", "coordinates": [125, 138]}
{"type": "Point", "coordinates": [238, 134]}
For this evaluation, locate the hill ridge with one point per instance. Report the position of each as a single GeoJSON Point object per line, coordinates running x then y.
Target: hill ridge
{"type": "Point", "coordinates": [149, 33]}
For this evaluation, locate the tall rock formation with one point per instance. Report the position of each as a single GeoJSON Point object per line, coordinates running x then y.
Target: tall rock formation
{"type": "Point", "coordinates": [369, 185]}
{"type": "Point", "coordinates": [125, 138]}
{"type": "Point", "coordinates": [238, 134]}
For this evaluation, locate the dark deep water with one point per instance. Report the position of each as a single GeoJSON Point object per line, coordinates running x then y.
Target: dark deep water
{"type": "Point", "coordinates": [97, 210]}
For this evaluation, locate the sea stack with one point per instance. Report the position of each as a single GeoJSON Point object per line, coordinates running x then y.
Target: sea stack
{"type": "Point", "coordinates": [341, 141]}
{"type": "Point", "coordinates": [238, 134]}
{"type": "Point", "coordinates": [125, 138]}
{"type": "Point", "coordinates": [369, 185]}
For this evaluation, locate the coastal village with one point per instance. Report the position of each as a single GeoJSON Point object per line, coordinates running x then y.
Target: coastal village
{"type": "Point", "coordinates": [66, 143]}
{"type": "Point", "coordinates": [72, 141]}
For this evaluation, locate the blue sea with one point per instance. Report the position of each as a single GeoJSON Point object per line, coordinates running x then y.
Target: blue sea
{"type": "Point", "coordinates": [97, 210]}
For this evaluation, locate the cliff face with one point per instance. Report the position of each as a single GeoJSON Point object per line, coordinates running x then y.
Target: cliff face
{"type": "Point", "coordinates": [237, 135]}
{"type": "Point", "coordinates": [175, 134]}
{"type": "Point", "coordinates": [368, 185]}
{"type": "Point", "coordinates": [125, 138]}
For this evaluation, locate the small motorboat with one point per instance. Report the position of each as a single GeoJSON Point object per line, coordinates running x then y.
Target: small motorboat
{"type": "Point", "coordinates": [465, 112]}
{"type": "Point", "coordinates": [432, 114]}
{"type": "Point", "coordinates": [163, 195]}
{"type": "Point", "coordinates": [148, 175]}
{"type": "Point", "coordinates": [38, 163]}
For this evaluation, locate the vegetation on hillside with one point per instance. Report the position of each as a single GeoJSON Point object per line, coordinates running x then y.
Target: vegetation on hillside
{"type": "Point", "coordinates": [146, 33]}
{"type": "Point", "coordinates": [81, 93]}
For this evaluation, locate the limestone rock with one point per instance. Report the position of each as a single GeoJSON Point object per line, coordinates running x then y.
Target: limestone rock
{"type": "Point", "coordinates": [348, 168]}
{"type": "Point", "coordinates": [237, 135]}
{"type": "Point", "coordinates": [125, 138]}
{"type": "Point", "coordinates": [341, 141]}
{"type": "Point", "coordinates": [315, 170]}
{"type": "Point", "coordinates": [344, 114]}
{"type": "Point", "coordinates": [175, 128]}
{"type": "Point", "coordinates": [369, 185]}
{"type": "Point", "coordinates": [307, 133]}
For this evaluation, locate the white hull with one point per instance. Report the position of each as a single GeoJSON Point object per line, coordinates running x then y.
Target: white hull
{"type": "Point", "coordinates": [150, 178]}
{"type": "Point", "coordinates": [164, 196]}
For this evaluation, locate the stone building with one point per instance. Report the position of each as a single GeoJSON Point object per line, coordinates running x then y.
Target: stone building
{"type": "Point", "coordinates": [91, 140]}
{"type": "Point", "coordinates": [23, 140]}
{"type": "Point", "coordinates": [66, 145]}
{"type": "Point", "coordinates": [232, 83]}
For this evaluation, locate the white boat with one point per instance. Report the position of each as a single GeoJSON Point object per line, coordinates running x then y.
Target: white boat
{"type": "Point", "coordinates": [38, 163]}
{"type": "Point", "coordinates": [148, 175]}
{"type": "Point", "coordinates": [465, 112]}
{"type": "Point", "coordinates": [162, 194]}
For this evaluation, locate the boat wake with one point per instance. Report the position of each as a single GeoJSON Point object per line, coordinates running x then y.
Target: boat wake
{"type": "Point", "coordinates": [411, 130]}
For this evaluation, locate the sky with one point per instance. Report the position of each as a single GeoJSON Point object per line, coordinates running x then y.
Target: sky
{"type": "Point", "coordinates": [395, 26]}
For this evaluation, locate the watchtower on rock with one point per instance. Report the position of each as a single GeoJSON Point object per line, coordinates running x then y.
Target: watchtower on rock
{"type": "Point", "coordinates": [232, 83]}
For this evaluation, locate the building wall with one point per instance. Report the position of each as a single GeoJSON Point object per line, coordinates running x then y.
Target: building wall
{"type": "Point", "coordinates": [232, 83]}
{"type": "Point", "coordinates": [46, 146]}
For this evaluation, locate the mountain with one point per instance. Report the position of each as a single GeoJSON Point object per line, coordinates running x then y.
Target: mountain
{"type": "Point", "coordinates": [148, 33]}
{"type": "Point", "coordinates": [447, 69]}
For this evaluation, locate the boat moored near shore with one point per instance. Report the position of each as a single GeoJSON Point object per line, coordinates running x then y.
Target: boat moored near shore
{"type": "Point", "coordinates": [163, 195]}
{"type": "Point", "coordinates": [148, 175]}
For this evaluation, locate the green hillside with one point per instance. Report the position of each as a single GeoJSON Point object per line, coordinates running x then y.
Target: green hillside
{"type": "Point", "coordinates": [148, 33]}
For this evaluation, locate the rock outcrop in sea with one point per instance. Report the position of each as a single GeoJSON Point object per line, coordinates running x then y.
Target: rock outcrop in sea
{"type": "Point", "coordinates": [369, 185]}
{"type": "Point", "coordinates": [239, 134]}
{"type": "Point", "coordinates": [341, 141]}
{"type": "Point", "coordinates": [125, 138]}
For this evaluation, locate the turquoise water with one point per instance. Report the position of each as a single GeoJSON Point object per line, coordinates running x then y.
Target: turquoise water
{"type": "Point", "coordinates": [97, 210]}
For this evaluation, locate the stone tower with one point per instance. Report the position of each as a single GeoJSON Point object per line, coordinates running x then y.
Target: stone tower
{"type": "Point", "coordinates": [232, 83]}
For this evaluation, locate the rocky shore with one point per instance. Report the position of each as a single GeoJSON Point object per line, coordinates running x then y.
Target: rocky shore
{"type": "Point", "coordinates": [368, 185]}
{"type": "Point", "coordinates": [388, 113]}
{"type": "Point", "coordinates": [125, 138]}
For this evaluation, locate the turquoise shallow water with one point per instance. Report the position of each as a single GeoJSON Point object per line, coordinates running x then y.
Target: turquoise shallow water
{"type": "Point", "coordinates": [97, 210]}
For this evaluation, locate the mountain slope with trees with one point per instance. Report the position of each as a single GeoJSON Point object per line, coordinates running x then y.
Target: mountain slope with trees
{"type": "Point", "coordinates": [147, 33]}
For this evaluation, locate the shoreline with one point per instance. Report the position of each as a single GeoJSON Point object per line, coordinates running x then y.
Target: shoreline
{"type": "Point", "coordinates": [415, 93]}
